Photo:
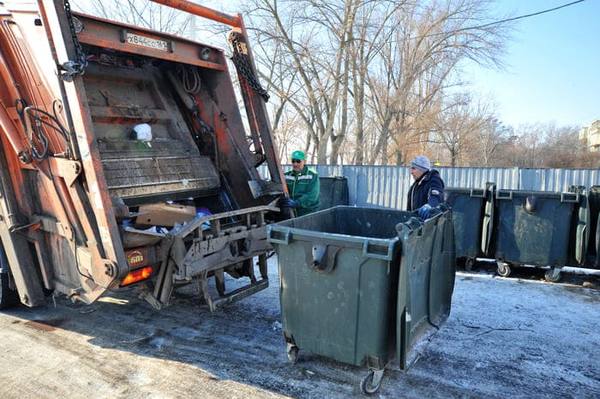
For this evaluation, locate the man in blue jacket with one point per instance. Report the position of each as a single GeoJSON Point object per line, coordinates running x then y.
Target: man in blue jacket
{"type": "Point", "coordinates": [427, 191]}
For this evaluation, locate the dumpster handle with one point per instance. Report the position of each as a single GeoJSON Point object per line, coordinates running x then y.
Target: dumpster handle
{"type": "Point", "coordinates": [582, 247]}
{"type": "Point", "coordinates": [321, 258]}
{"type": "Point", "coordinates": [378, 255]}
{"type": "Point", "coordinates": [272, 237]}
{"type": "Point", "coordinates": [504, 194]}
{"type": "Point", "coordinates": [477, 193]}
{"type": "Point", "coordinates": [569, 197]}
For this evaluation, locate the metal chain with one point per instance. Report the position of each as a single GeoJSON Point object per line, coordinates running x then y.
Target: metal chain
{"type": "Point", "coordinates": [72, 68]}
{"type": "Point", "coordinates": [242, 63]}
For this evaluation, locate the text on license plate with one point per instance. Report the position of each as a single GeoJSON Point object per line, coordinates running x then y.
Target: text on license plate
{"type": "Point", "coordinates": [144, 41]}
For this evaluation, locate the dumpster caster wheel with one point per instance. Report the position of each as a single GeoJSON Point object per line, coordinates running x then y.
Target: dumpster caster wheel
{"type": "Point", "coordinates": [553, 275]}
{"type": "Point", "coordinates": [503, 269]}
{"type": "Point", "coordinates": [371, 382]}
{"type": "Point", "coordinates": [292, 353]}
{"type": "Point", "coordinates": [469, 263]}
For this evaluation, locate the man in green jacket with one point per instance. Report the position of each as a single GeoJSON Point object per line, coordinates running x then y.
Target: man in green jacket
{"type": "Point", "coordinates": [303, 185]}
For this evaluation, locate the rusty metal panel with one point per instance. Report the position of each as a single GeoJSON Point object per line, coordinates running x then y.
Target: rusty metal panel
{"type": "Point", "coordinates": [136, 40]}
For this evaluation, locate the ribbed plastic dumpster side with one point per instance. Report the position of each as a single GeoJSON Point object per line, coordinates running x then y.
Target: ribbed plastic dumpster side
{"type": "Point", "coordinates": [339, 282]}
{"type": "Point", "coordinates": [533, 227]}
{"type": "Point", "coordinates": [468, 208]}
{"type": "Point", "coordinates": [334, 192]}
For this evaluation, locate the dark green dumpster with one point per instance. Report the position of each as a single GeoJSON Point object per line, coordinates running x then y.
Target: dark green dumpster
{"type": "Point", "coordinates": [533, 228]}
{"type": "Point", "coordinates": [339, 289]}
{"type": "Point", "coordinates": [334, 192]}
{"type": "Point", "coordinates": [580, 227]}
{"type": "Point", "coordinates": [468, 209]}
{"type": "Point", "coordinates": [593, 248]}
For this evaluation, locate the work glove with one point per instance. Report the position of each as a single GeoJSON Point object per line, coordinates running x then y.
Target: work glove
{"type": "Point", "coordinates": [288, 203]}
{"type": "Point", "coordinates": [424, 211]}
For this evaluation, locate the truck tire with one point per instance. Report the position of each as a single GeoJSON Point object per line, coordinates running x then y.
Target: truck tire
{"type": "Point", "coordinates": [8, 296]}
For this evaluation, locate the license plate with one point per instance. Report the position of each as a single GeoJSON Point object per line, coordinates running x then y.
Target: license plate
{"type": "Point", "coordinates": [144, 41]}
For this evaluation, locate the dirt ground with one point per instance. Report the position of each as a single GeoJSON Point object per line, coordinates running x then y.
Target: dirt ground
{"type": "Point", "coordinates": [504, 338]}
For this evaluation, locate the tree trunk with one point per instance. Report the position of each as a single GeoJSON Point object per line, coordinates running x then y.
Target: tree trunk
{"type": "Point", "coordinates": [399, 157]}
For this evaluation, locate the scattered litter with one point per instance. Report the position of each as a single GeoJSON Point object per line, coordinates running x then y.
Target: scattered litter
{"type": "Point", "coordinates": [142, 132]}
{"type": "Point", "coordinates": [163, 214]}
{"type": "Point", "coordinates": [202, 212]}
{"type": "Point", "coordinates": [276, 326]}
{"type": "Point", "coordinates": [156, 230]}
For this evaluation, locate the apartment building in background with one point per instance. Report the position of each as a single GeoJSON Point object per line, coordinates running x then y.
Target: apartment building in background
{"type": "Point", "coordinates": [590, 135]}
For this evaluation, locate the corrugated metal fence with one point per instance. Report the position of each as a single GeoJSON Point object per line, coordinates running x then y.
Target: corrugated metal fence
{"type": "Point", "coordinates": [388, 185]}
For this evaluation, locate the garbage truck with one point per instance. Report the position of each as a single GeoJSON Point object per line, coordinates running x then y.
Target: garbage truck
{"type": "Point", "coordinates": [125, 159]}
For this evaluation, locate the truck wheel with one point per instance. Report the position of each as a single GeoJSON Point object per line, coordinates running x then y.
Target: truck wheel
{"type": "Point", "coordinates": [8, 296]}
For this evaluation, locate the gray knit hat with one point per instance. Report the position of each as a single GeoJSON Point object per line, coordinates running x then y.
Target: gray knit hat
{"type": "Point", "coordinates": [422, 163]}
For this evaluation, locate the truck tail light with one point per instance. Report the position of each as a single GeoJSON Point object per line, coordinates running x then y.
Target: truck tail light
{"type": "Point", "coordinates": [137, 275]}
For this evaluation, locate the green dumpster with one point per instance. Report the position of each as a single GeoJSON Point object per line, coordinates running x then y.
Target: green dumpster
{"type": "Point", "coordinates": [333, 192]}
{"type": "Point", "coordinates": [580, 227]}
{"type": "Point", "coordinates": [468, 210]}
{"type": "Point", "coordinates": [593, 247]}
{"type": "Point", "coordinates": [533, 228]}
{"type": "Point", "coordinates": [339, 290]}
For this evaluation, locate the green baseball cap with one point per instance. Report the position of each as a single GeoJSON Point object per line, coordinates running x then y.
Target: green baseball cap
{"type": "Point", "coordinates": [299, 155]}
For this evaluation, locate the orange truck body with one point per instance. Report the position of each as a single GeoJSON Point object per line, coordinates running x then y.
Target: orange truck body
{"type": "Point", "coordinates": [77, 177]}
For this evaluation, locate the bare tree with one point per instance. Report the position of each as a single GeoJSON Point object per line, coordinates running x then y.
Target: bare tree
{"type": "Point", "coordinates": [374, 28]}
{"type": "Point", "coordinates": [468, 131]}
{"type": "Point", "coordinates": [421, 64]}
{"type": "Point", "coordinates": [315, 36]}
{"type": "Point", "coordinates": [141, 13]}
{"type": "Point", "coordinates": [490, 140]}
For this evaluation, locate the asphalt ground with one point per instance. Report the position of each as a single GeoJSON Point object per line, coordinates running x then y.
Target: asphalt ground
{"type": "Point", "coordinates": [506, 337]}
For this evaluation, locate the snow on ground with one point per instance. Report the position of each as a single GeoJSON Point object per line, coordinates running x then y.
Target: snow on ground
{"type": "Point", "coordinates": [504, 338]}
